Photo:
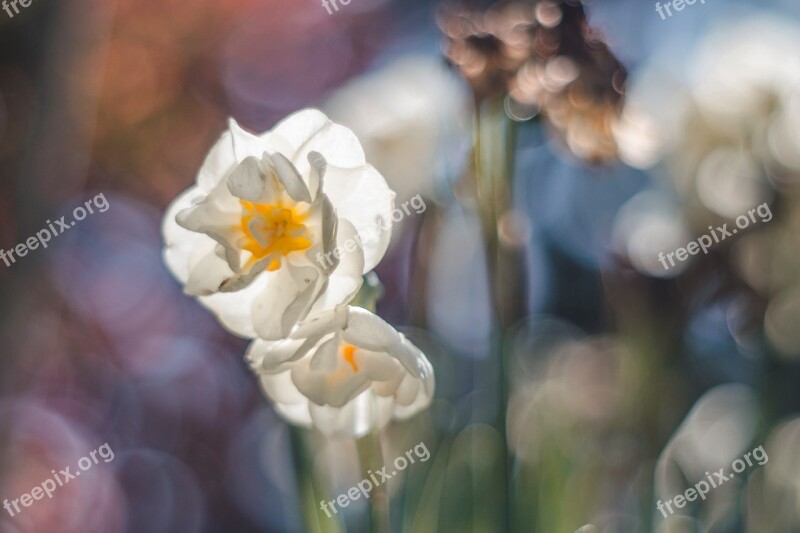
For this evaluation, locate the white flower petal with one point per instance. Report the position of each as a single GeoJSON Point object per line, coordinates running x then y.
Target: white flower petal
{"type": "Point", "coordinates": [289, 177]}
{"type": "Point", "coordinates": [296, 413]}
{"type": "Point", "coordinates": [422, 400]}
{"type": "Point", "coordinates": [363, 197]}
{"type": "Point", "coordinates": [219, 161]}
{"type": "Point", "coordinates": [358, 418]}
{"type": "Point", "coordinates": [245, 144]}
{"type": "Point", "coordinates": [411, 358]}
{"type": "Point", "coordinates": [290, 293]}
{"type": "Point", "coordinates": [234, 310]}
{"type": "Point", "coordinates": [289, 403]}
{"type": "Point", "coordinates": [346, 279]}
{"type": "Point", "coordinates": [317, 173]}
{"type": "Point", "coordinates": [388, 387]}
{"type": "Point", "coordinates": [378, 366]}
{"type": "Point", "coordinates": [247, 181]}
{"type": "Point", "coordinates": [334, 389]}
{"type": "Point", "coordinates": [326, 357]}
{"type": "Point", "coordinates": [330, 229]}
{"type": "Point", "coordinates": [265, 356]}
{"type": "Point", "coordinates": [369, 330]}
{"type": "Point", "coordinates": [183, 248]}
{"type": "Point", "coordinates": [274, 356]}
{"type": "Point", "coordinates": [311, 131]}
{"type": "Point", "coordinates": [240, 280]}
{"type": "Point", "coordinates": [217, 216]}
{"type": "Point", "coordinates": [407, 391]}
{"type": "Point", "coordinates": [208, 275]}
{"type": "Point", "coordinates": [321, 324]}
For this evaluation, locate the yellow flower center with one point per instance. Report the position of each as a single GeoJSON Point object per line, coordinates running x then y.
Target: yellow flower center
{"type": "Point", "coordinates": [349, 355]}
{"type": "Point", "coordinates": [273, 230]}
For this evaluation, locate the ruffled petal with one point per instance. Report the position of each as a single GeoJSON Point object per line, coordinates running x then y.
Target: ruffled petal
{"type": "Point", "coordinates": [363, 197]}
{"type": "Point", "coordinates": [289, 403]}
{"type": "Point", "coordinates": [420, 402]}
{"type": "Point", "coordinates": [368, 330]}
{"type": "Point", "coordinates": [321, 323]}
{"type": "Point", "coordinates": [245, 144]}
{"type": "Point", "coordinates": [208, 275]}
{"type": "Point", "coordinates": [218, 216]}
{"type": "Point", "coordinates": [359, 417]}
{"type": "Point", "coordinates": [345, 281]}
{"type": "Point", "coordinates": [234, 309]}
{"type": "Point", "coordinates": [183, 248]}
{"type": "Point", "coordinates": [296, 413]}
{"type": "Point", "coordinates": [330, 229]}
{"type": "Point", "coordinates": [286, 300]}
{"type": "Point", "coordinates": [334, 388]}
{"type": "Point", "coordinates": [276, 356]}
{"type": "Point", "coordinates": [219, 161]}
{"type": "Point", "coordinates": [289, 177]}
{"type": "Point", "coordinates": [311, 131]}
{"type": "Point", "coordinates": [316, 176]}
{"type": "Point", "coordinates": [248, 182]}
{"type": "Point", "coordinates": [408, 391]}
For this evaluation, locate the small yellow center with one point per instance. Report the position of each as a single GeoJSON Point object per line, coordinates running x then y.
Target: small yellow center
{"type": "Point", "coordinates": [349, 355]}
{"type": "Point", "coordinates": [273, 230]}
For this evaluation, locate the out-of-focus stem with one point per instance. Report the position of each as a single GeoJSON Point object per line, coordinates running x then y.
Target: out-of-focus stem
{"type": "Point", "coordinates": [370, 293]}
{"type": "Point", "coordinates": [495, 137]}
{"type": "Point", "coordinates": [371, 458]}
{"type": "Point", "coordinates": [494, 160]}
{"type": "Point", "coordinates": [308, 490]}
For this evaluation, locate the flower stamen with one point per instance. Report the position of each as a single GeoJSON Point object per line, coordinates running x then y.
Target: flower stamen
{"type": "Point", "coordinates": [273, 230]}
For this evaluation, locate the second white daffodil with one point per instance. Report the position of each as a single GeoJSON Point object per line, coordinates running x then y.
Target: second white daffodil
{"type": "Point", "coordinates": [346, 372]}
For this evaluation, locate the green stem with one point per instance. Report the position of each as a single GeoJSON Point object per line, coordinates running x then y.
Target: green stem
{"type": "Point", "coordinates": [371, 458]}
{"type": "Point", "coordinates": [370, 293]}
{"type": "Point", "coordinates": [308, 490]}
{"type": "Point", "coordinates": [494, 160]}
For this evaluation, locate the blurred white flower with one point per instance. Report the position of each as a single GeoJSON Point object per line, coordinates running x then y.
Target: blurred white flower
{"type": "Point", "coordinates": [724, 126]}
{"type": "Point", "coordinates": [246, 237]}
{"type": "Point", "coordinates": [649, 224]}
{"type": "Point", "coordinates": [346, 372]}
{"type": "Point", "coordinates": [773, 495]}
{"type": "Point", "coordinates": [411, 116]}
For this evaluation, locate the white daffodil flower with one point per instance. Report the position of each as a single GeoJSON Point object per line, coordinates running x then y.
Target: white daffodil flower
{"type": "Point", "coordinates": [346, 372]}
{"type": "Point", "coordinates": [280, 226]}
